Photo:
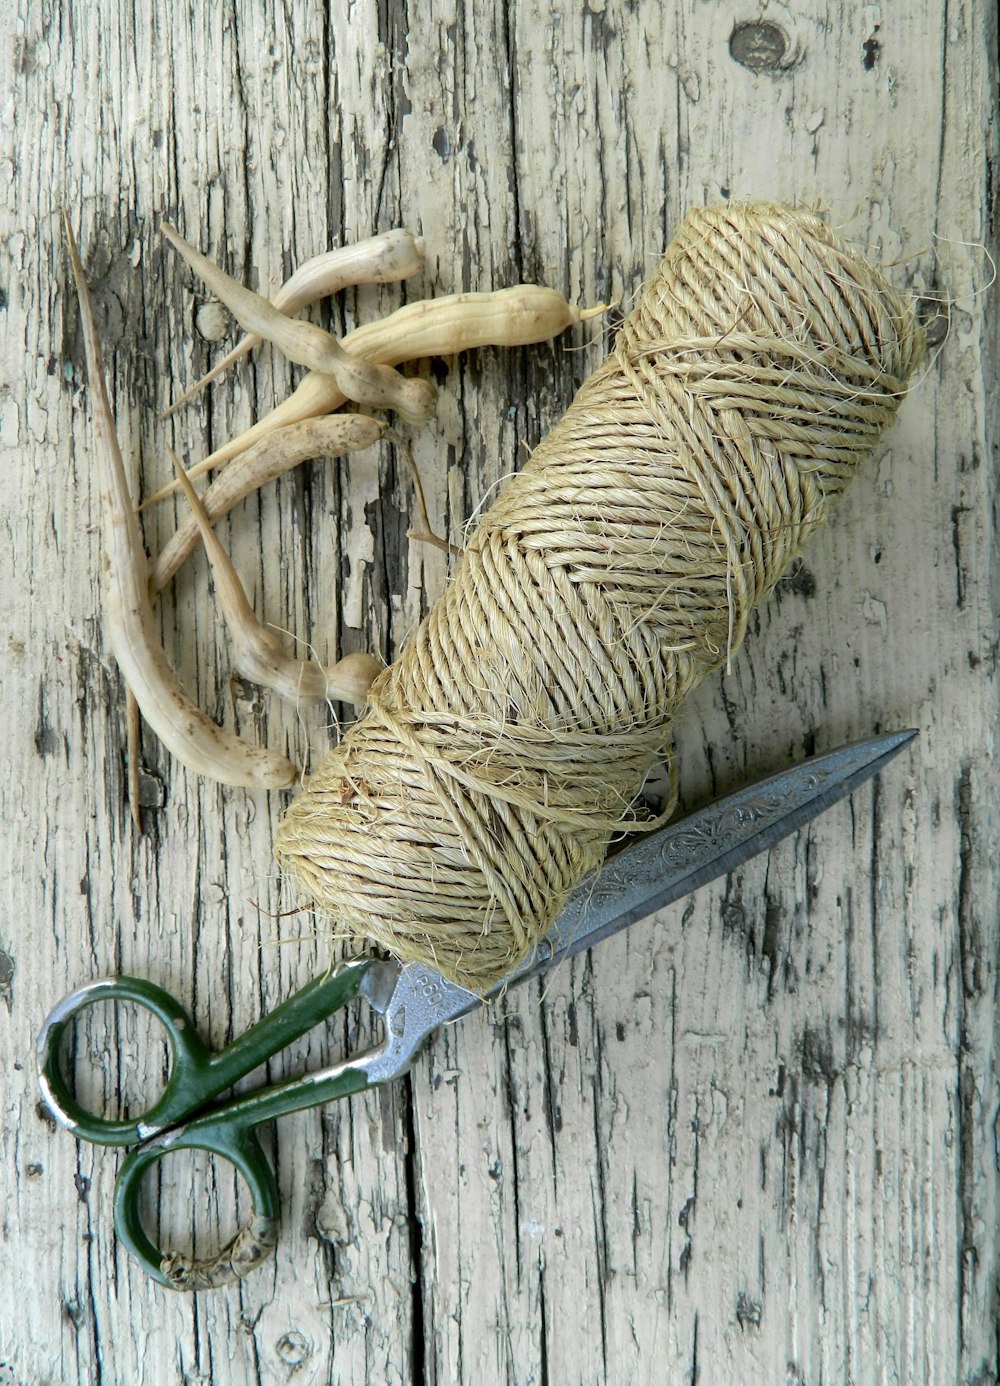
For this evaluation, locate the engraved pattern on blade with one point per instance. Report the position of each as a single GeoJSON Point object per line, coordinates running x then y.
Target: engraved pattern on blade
{"type": "Point", "coordinates": [672, 859]}
{"type": "Point", "coordinates": [686, 851]}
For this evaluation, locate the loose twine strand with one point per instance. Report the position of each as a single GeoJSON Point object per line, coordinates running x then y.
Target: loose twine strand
{"type": "Point", "coordinates": [511, 740]}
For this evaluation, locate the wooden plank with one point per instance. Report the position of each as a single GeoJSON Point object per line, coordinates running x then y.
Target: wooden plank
{"type": "Point", "coordinates": [754, 1140]}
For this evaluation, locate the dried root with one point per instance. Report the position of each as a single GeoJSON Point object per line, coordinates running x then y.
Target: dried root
{"type": "Point", "coordinates": [330, 436]}
{"type": "Point", "coordinates": [182, 727]}
{"type": "Point", "coordinates": [519, 316]}
{"type": "Point", "coordinates": [361, 368]}
{"type": "Point", "coordinates": [308, 345]}
{"type": "Point", "coordinates": [384, 259]}
{"type": "Point", "coordinates": [256, 649]}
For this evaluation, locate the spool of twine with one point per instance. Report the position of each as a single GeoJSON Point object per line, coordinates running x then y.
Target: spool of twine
{"type": "Point", "coordinates": [512, 738]}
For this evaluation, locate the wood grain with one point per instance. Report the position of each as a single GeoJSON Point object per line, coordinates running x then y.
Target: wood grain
{"type": "Point", "coordinates": [752, 1141]}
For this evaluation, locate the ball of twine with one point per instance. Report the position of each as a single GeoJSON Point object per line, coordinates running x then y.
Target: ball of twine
{"type": "Point", "coordinates": [511, 739]}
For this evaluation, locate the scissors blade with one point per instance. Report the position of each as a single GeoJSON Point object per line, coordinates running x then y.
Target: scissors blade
{"type": "Point", "coordinates": [643, 877]}
{"type": "Point", "coordinates": [670, 863]}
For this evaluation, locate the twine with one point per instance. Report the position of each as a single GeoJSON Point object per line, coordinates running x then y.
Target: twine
{"type": "Point", "coordinates": [511, 739]}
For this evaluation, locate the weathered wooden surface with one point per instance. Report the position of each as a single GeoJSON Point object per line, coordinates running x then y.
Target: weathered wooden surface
{"type": "Point", "coordinates": [755, 1140]}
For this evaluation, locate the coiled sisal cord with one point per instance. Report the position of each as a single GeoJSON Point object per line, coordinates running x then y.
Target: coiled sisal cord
{"type": "Point", "coordinates": [512, 737]}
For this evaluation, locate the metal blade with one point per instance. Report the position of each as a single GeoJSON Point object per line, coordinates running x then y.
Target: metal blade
{"type": "Point", "coordinates": [643, 877]}
{"type": "Point", "coordinates": [668, 864]}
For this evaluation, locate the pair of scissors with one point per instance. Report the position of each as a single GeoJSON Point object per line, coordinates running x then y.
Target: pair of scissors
{"type": "Point", "coordinates": [412, 1000]}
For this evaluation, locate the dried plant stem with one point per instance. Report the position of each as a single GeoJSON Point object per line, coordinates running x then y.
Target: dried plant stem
{"type": "Point", "coordinates": [424, 535]}
{"type": "Point", "coordinates": [133, 750]}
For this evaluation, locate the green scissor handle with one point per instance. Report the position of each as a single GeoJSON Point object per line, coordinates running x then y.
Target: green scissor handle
{"type": "Point", "coordinates": [251, 1245]}
{"type": "Point", "coordinates": [190, 1062]}
{"type": "Point", "coordinates": [227, 1131]}
{"type": "Point", "coordinates": [187, 1116]}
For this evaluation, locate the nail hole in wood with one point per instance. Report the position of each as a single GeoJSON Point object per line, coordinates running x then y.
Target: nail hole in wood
{"type": "Point", "coordinates": [762, 47]}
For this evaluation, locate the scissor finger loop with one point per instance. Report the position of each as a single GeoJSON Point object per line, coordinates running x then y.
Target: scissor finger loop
{"type": "Point", "coordinates": [188, 1057]}
{"type": "Point", "coordinates": [253, 1243]}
